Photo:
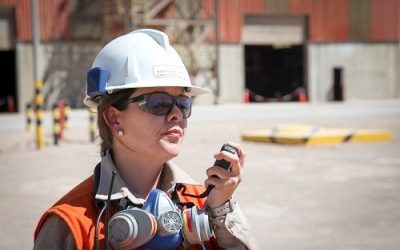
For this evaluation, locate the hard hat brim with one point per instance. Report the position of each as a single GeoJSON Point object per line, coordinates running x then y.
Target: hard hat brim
{"type": "Point", "coordinates": [194, 91]}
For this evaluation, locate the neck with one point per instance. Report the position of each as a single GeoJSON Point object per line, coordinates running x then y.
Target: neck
{"type": "Point", "coordinates": [141, 174]}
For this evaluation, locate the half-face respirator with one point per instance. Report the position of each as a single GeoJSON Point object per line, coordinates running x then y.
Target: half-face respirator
{"type": "Point", "coordinates": [159, 224]}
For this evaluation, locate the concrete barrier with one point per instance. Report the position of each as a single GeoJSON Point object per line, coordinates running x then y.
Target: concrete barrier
{"type": "Point", "coordinates": [302, 134]}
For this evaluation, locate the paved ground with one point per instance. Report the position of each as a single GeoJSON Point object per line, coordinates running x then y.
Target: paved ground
{"type": "Point", "coordinates": [332, 197]}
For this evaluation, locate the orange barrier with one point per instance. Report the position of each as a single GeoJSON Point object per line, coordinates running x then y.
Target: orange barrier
{"type": "Point", "coordinates": [299, 94]}
{"type": "Point", "coordinates": [246, 96]}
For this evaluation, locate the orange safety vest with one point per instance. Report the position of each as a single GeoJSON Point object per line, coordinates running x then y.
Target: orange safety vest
{"type": "Point", "coordinates": [78, 210]}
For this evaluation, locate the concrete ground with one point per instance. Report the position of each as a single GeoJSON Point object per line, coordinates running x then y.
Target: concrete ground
{"type": "Point", "coordinates": [296, 198]}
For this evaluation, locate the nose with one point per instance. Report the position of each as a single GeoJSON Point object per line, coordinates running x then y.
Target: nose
{"type": "Point", "coordinates": [175, 114]}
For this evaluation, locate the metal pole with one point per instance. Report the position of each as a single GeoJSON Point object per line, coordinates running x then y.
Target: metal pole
{"type": "Point", "coordinates": [398, 49]}
{"type": "Point", "coordinates": [216, 16]}
{"type": "Point", "coordinates": [38, 82]}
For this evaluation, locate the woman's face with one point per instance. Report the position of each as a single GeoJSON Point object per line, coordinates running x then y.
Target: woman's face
{"type": "Point", "coordinates": [152, 135]}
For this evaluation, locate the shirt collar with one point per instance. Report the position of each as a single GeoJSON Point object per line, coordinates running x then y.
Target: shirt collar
{"type": "Point", "coordinates": [170, 176]}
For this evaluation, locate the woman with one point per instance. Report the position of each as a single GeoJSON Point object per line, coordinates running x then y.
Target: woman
{"type": "Point", "coordinates": [142, 92]}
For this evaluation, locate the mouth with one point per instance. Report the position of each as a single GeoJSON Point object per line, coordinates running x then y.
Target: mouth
{"type": "Point", "coordinates": [174, 133]}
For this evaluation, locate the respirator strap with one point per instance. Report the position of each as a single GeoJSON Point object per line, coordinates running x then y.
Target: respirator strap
{"type": "Point", "coordinates": [125, 203]}
{"type": "Point", "coordinates": [103, 206]}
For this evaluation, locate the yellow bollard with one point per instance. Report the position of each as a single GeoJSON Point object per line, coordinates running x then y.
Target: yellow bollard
{"type": "Point", "coordinates": [92, 124]}
{"type": "Point", "coordinates": [67, 112]}
{"type": "Point", "coordinates": [39, 115]}
{"type": "Point", "coordinates": [56, 124]}
{"type": "Point", "coordinates": [29, 117]}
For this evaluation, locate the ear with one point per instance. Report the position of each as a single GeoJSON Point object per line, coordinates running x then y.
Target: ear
{"type": "Point", "coordinates": [111, 117]}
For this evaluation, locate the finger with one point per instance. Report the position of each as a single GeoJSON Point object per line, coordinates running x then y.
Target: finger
{"type": "Point", "coordinates": [229, 157]}
{"type": "Point", "coordinates": [218, 172]}
{"type": "Point", "coordinates": [235, 166]}
{"type": "Point", "coordinates": [240, 152]}
{"type": "Point", "coordinates": [214, 181]}
{"type": "Point", "coordinates": [228, 185]}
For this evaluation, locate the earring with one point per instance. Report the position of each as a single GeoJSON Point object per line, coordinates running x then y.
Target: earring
{"type": "Point", "coordinates": [120, 132]}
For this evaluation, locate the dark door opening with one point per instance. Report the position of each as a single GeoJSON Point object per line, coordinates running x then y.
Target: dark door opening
{"type": "Point", "coordinates": [8, 94]}
{"type": "Point", "coordinates": [274, 73]}
{"type": "Point", "coordinates": [337, 84]}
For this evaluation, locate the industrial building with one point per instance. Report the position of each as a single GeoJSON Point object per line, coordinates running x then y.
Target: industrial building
{"type": "Point", "coordinates": [244, 50]}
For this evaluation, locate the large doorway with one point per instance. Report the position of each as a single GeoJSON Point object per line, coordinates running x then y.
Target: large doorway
{"type": "Point", "coordinates": [8, 94]}
{"type": "Point", "coordinates": [275, 58]}
{"type": "Point", "coordinates": [274, 73]}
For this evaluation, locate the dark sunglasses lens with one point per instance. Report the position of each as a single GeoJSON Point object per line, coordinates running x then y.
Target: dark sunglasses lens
{"type": "Point", "coordinates": [185, 104]}
{"type": "Point", "coordinates": [159, 103]}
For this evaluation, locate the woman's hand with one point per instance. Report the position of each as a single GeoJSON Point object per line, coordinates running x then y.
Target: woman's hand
{"type": "Point", "coordinates": [224, 181]}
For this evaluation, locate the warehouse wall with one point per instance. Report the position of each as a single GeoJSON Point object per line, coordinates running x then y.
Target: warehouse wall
{"type": "Point", "coordinates": [370, 71]}
{"type": "Point", "coordinates": [63, 68]}
{"type": "Point", "coordinates": [231, 73]}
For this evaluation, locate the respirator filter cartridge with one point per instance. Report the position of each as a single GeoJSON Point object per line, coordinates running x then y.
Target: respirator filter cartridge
{"type": "Point", "coordinates": [125, 232]}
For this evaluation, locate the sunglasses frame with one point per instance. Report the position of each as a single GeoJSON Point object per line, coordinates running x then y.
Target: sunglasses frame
{"type": "Point", "coordinates": [144, 104]}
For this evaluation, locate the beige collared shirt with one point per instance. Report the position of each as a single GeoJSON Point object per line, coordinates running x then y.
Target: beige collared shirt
{"type": "Point", "coordinates": [231, 231]}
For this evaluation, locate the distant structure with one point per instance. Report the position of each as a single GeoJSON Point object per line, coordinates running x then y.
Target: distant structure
{"type": "Point", "coordinates": [268, 50]}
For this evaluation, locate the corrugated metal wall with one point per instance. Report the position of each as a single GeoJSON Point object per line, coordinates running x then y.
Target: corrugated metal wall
{"type": "Point", "coordinates": [385, 20]}
{"type": "Point", "coordinates": [231, 17]}
{"type": "Point", "coordinates": [230, 20]}
{"type": "Point", "coordinates": [278, 6]}
{"type": "Point", "coordinates": [359, 20]}
{"type": "Point", "coordinates": [328, 20]}
{"type": "Point", "coordinates": [54, 18]}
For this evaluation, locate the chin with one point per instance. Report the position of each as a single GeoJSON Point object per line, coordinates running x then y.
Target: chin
{"type": "Point", "coordinates": [172, 149]}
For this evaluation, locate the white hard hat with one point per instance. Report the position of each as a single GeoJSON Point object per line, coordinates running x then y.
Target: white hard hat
{"type": "Point", "coordinates": [142, 58]}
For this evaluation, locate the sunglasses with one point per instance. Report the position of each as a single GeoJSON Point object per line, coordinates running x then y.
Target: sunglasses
{"type": "Point", "coordinates": [160, 103]}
